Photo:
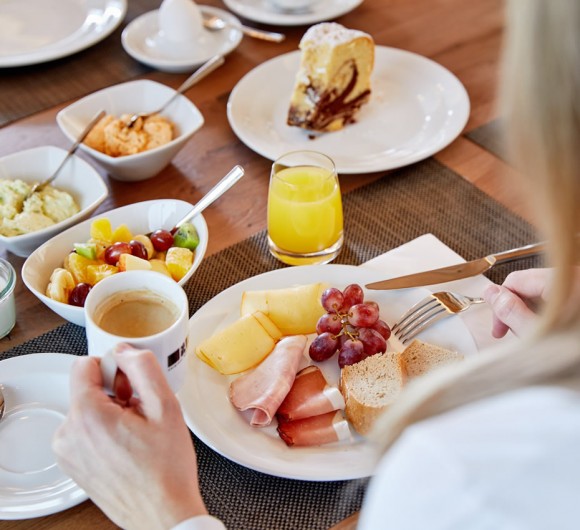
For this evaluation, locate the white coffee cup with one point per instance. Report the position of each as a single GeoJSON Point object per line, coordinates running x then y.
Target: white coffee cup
{"type": "Point", "coordinates": [145, 309]}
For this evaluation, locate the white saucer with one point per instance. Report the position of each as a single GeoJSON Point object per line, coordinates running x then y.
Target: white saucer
{"type": "Point", "coordinates": [140, 40]}
{"type": "Point", "coordinates": [37, 31]}
{"type": "Point", "coordinates": [417, 107]}
{"type": "Point", "coordinates": [36, 393]}
{"type": "Point", "coordinates": [262, 11]}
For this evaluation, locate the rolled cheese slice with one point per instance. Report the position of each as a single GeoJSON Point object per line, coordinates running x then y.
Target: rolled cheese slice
{"type": "Point", "coordinates": [295, 310]}
{"type": "Point", "coordinates": [241, 345]}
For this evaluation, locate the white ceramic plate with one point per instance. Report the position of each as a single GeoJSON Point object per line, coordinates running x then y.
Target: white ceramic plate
{"type": "Point", "coordinates": [204, 396]}
{"type": "Point", "coordinates": [262, 11]}
{"type": "Point", "coordinates": [36, 31]}
{"type": "Point", "coordinates": [417, 108]}
{"type": "Point", "coordinates": [140, 40]}
{"type": "Point", "coordinates": [36, 390]}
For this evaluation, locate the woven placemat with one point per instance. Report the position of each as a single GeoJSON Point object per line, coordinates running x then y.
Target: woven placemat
{"type": "Point", "coordinates": [491, 137]}
{"type": "Point", "coordinates": [30, 89]}
{"type": "Point", "coordinates": [426, 197]}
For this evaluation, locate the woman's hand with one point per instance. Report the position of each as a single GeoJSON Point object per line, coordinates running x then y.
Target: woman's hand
{"type": "Point", "coordinates": [133, 456]}
{"type": "Point", "coordinates": [514, 302]}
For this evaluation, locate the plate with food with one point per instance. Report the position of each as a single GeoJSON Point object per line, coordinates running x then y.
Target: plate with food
{"type": "Point", "coordinates": [264, 332]}
{"type": "Point", "coordinates": [402, 110]}
{"type": "Point", "coordinates": [280, 13]}
{"type": "Point", "coordinates": [35, 389]}
{"type": "Point", "coordinates": [38, 31]}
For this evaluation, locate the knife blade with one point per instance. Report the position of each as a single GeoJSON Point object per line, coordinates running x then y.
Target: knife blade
{"type": "Point", "coordinates": [459, 271]}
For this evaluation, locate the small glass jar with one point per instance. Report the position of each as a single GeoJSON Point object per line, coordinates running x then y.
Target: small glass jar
{"type": "Point", "coordinates": [7, 304]}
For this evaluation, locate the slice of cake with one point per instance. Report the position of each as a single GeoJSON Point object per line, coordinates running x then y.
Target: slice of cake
{"type": "Point", "coordinates": [334, 77]}
{"type": "Point", "coordinates": [421, 357]}
{"type": "Point", "coordinates": [369, 387]}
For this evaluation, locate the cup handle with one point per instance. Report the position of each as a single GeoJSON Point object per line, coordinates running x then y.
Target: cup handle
{"type": "Point", "coordinates": [109, 371]}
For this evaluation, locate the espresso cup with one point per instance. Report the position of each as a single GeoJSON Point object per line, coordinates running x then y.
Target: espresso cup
{"type": "Point", "coordinates": [144, 309]}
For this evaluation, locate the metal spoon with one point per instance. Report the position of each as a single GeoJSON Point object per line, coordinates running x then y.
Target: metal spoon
{"type": "Point", "coordinates": [1, 404]}
{"type": "Point", "coordinates": [215, 23]}
{"type": "Point", "coordinates": [41, 185]}
{"type": "Point", "coordinates": [235, 174]}
{"type": "Point", "coordinates": [204, 70]}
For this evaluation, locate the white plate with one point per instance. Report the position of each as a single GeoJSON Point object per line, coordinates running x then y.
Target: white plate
{"type": "Point", "coordinates": [36, 390]}
{"type": "Point", "coordinates": [140, 40]}
{"type": "Point", "coordinates": [262, 11]}
{"type": "Point", "coordinates": [36, 31]}
{"type": "Point", "coordinates": [417, 108]}
{"type": "Point", "coordinates": [204, 396]}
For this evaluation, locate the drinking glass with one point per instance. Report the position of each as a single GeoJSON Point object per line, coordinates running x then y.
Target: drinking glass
{"type": "Point", "coordinates": [7, 304]}
{"type": "Point", "coordinates": [305, 222]}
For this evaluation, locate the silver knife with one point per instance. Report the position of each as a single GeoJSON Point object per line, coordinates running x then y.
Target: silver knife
{"type": "Point", "coordinates": [457, 272]}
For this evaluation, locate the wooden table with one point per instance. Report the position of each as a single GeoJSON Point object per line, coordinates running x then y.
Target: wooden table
{"type": "Point", "coordinates": [465, 37]}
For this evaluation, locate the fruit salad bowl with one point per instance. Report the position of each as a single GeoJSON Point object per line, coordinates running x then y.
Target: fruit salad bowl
{"type": "Point", "coordinates": [140, 218]}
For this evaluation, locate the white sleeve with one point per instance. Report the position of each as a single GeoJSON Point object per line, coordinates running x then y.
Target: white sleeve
{"type": "Point", "coordinates": [200, 522]}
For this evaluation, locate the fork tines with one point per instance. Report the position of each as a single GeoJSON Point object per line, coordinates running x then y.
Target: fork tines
{"type": "Point", "coordinates": [422, 314]}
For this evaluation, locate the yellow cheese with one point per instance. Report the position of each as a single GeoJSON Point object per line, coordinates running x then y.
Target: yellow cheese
{"type": "Point", "coordinates": [294, 310]}
{"type": "Point", "coordinates": [240, 346]}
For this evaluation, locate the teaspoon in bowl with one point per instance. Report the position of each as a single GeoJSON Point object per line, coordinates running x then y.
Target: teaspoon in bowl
{"type": "Point", "coordinates": [215, 23]}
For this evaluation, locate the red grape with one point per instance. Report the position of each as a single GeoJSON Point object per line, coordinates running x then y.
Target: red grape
{"type": "Point", "coordinates": [353, 294]}
{"type": "Point", "coordinates": [332, 300]}
{"type": "Point", "coordinates": [79, 294]}
{"type": "Point", "coordinates": [372, 340]}
{"type": "Point", "coordinates": [162, 240]}
{"type": "Point", "coordinates": [352, 352]}
{"type": "Point", "coordinates": [112, 252]}
{"type": "Point", "coordinates": [323, 347]}
{"type": "Point", "coordinates": [363, 315]}
{"type": "Point", "coordinates": [329, 322]}
{"type": "Point", "coordinates": [138, 249]}
{"type": "Point", "coordinates": [383, 328]}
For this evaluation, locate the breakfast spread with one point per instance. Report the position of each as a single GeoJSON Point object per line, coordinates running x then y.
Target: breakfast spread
{"type": "Point", "coordinates": [20, 215]}
{"type": "Point", "coordinates": [109, 251]}
{"type": "Point", "coordinates": [113, 137]}
{"type": "Point", "coordinates": [333, 81]}
{"type": "Point", "coordinates": [264, 345]}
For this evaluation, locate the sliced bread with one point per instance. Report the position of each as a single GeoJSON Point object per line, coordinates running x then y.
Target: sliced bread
{"type": "Point", "coordinates": [421, 357]}
{"type": "Point", "coordinates": [369, 387]}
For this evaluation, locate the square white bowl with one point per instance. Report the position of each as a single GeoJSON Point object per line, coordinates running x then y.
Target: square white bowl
{"type": "Point", "coordinates": [77, 177]}
{"type": "Point", "coordinates": [141, 218]}
{"type": "Point", "coordinates": [128, 98]}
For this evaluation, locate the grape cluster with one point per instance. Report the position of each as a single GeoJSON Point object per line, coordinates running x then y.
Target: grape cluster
{"type": "Point", "coordinates": [350, 325]}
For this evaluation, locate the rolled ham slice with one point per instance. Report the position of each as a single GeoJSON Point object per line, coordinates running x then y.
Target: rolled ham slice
{"type": "Point", "coordinates": [310, 395]}
{"type": "Point", "coordinates": [316, 430]}
{"type": "Point", "coordinates": [264, 388]}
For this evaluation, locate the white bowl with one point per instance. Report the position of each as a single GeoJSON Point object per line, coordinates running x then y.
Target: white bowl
{"type": "Point", "coordinates": [141, 217]}
{"type": "Point", "coordinates": [128, 98]}
{"type": "Point", "coordinates": [77, 177]}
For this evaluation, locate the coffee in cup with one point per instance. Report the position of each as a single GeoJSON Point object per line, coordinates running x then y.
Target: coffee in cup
{"type": "Point", "coordinates": [144, 309]}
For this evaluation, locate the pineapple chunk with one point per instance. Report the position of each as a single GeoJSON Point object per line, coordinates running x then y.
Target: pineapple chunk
{"type": "Point", "coordinates": [77, 266]}
{"type": "Point", "coordinates": [178, 261]}
{"type": "Point", "coordinates": [128, 262]}
{"type": "Point", "coordinates": [122, 233]}
{"type": "Point", "coordinates": [96, 273]}
{"type": "Point", "coordinates": [60, 285]}
{"type": "Point", "coordinates": [159, 266]}
{"type": "Point", "coordinates": [101, 230]}
{"type": "Point", "coordinates": [240, 346]}
{"type": "Point", "coordinates": [295, 310]}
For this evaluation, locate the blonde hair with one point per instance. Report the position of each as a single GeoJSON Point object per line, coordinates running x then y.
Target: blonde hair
{"type": "Point", "coordinates": [541, 106]}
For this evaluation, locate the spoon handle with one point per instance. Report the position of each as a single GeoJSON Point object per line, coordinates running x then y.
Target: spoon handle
{"type": "Point", "coordinates": [235, 174]}
{"type": "Point", "coordinates": [204, 70]}
{"type": "Point", "coordinates": [270, 36]}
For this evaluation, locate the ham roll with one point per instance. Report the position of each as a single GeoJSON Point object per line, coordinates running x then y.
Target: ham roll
{"type": "Point", "coordinates": [264, 388]}
{"type": "Point", "coordinates": [316, 430]}
{"type": "Point", "coordinates": [310, 395]}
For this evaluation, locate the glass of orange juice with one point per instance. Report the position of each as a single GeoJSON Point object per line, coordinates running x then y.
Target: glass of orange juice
{"type": "Point", "coordinates": [304, 209]}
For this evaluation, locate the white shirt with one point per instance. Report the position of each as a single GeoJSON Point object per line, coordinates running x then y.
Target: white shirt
{"type": "Point", "coordinates": [511, 462]}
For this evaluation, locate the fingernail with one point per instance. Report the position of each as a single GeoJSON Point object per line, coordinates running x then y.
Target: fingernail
{"type": "Point", "coordinates": [491, 292]}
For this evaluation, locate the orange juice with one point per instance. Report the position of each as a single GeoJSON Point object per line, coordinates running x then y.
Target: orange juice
{"type": "Point", "coordinates": [304, 210]}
